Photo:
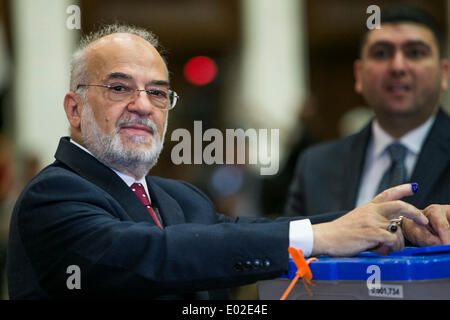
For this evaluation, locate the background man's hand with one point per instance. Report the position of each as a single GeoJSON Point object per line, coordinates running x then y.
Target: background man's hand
{"type": "Point", "coordinates": [366, 226]}
{"type": "Point", "coordinates": [436, 232]}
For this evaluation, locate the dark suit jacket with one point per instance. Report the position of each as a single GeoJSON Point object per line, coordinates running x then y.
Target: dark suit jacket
{"type": "Point", "coordinates": [327, 177]}
{"type": "Point", "coordinates": [79, 212]}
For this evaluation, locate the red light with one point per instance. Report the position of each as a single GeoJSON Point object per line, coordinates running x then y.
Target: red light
{"type": "Point", "coordinates": [200, 70]}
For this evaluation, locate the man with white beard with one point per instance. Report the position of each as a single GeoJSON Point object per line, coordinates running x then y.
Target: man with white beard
{"type": "Point", "coordinates": [93, 225]}
{"type": "Point", "coordinates": [111, 151]}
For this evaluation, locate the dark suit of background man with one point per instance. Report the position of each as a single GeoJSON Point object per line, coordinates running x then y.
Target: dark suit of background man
{"type": "Point", "coordinates": [400, 73]}
{"type": "Point", "coordinates": [94, 215]}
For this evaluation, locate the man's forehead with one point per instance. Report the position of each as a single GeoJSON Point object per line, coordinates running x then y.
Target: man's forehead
{"type": "Point", "coordinates": [120, 51]}
{"type": "Point", "coordinates": [400, 33]}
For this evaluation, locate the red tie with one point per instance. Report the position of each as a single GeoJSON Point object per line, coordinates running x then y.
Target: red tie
{"type": "Point", "coordinates": [139, 190]}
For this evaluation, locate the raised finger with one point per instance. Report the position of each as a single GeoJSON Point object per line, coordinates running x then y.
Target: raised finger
{"type": "Point", "coordinates": [396, 193]}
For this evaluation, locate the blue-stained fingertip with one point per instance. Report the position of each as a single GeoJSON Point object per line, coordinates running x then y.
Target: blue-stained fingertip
{"type": "Point", "coordinates": [414, 187]}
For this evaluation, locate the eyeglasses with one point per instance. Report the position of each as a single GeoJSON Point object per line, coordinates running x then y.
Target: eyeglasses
{"type": "Point", "coordinates": [161, 98]}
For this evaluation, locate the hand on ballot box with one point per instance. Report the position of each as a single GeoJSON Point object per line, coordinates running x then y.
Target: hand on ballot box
{"type": "Point", "coordinates": [436, 232]}
{"type": "Point", "coordinates": [367, 227]}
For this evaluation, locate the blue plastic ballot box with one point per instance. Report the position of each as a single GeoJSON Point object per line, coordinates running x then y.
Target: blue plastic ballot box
{"type": "Point", "coordinates": [412, 273]}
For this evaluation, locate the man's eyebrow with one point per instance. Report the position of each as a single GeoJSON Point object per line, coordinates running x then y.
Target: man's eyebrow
{"type": "Point", "coordinates": [407, 43]}
{"type": "Point", "coordinates": [380, 43]}
{"type": "Point", "coordinates": [416, 43]}
{"type": "Point", "coordinates": [164, 83]}
{"type": "Point", "coordinates": [119, 75]}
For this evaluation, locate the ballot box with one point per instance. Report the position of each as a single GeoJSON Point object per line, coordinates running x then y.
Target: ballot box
{"type": "Point", "coordinates": [412, 273]}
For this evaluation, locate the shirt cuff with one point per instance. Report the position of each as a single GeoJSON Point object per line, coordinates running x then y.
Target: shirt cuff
{"type": "Point", "coordinates": [301, 236]}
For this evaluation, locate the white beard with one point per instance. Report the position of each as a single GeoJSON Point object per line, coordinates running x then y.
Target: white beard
{"type": "Point", "coordinates": [110, 150]}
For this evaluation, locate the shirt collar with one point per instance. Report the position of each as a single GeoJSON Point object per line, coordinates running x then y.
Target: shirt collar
{"type": "Point", "coordinates": [129, 180]}
{"type": "Point", "coordinates": [413, 140]}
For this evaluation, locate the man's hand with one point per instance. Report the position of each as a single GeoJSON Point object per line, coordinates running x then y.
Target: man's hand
{"type": "Point", "coordinates": [436, 232]}
{"type": "Point", "coordinates": [366, 226]}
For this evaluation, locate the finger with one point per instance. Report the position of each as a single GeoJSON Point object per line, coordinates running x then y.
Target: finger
{"type": "Point", "coordinates": [445, 239]}
{"type": "Point", "coordinates": [427, 238]}
{"type": "Point", "coordinates": [419, 235]}
{"type": "Point", "coordinates": [395, 209]}
{"type": "Point", "coordinates": [396, 193]}
{"type": "Point", "coordinates": [440, 225]}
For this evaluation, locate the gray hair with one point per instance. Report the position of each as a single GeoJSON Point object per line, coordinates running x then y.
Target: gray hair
{"type": "Point", "coordinates": [78, 72]}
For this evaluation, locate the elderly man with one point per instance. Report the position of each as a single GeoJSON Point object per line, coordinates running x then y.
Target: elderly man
{"type": "Point", "coordinates": [95, 212]}
{"type": "Point", "coordinates": [400, 73]}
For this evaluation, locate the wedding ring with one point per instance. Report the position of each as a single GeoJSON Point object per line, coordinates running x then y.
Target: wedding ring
{"type": "Point", "coordinates": [395, 223]}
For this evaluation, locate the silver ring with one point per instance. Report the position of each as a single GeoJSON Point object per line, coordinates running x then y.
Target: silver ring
{"type": "Point", "coordinates": [395, 223]}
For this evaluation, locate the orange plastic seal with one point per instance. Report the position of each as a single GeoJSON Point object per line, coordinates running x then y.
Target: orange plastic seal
{"type": "Point", "coordinates": [303, 271]}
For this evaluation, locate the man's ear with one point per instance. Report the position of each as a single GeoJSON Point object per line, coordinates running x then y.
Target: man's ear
{"type": "Point", "coordinates": [72, 107]}
{"type": "Point", "coordinates": [357, 73]}
{"type": "Point", "coordinates": [444, 75]}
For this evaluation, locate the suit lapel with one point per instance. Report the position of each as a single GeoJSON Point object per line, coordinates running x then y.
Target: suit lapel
{"type": "Point", "coordinates": [433, 159]}
{"type": "Point", "coordinates": [168, 207]}
{"type": "Point", "coordinates": [96, 172]}
{"type": "Point", "coordinates": [355, 157]}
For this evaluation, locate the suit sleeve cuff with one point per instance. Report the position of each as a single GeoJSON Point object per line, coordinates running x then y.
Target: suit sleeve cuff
{"type": "Point", "coordinates": [301, 236]}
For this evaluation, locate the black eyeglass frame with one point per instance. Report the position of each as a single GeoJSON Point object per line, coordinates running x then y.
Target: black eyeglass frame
{"type": "Point", "coordinates": [173, 96]}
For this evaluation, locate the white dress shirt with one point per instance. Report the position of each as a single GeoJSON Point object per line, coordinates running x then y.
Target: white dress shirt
{"type": "Point", "coordinates": [300, 231]}
{"type": "Point", "coordinates": [378, 159]}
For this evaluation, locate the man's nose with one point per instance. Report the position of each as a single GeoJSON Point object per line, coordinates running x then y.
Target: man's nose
{"type": "Point", "coordinates": [398, 64]}
{"type": "Point", "coordinates": [141, 104]}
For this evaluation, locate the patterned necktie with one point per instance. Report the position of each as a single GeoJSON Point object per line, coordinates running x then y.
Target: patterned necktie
{"type": "Point", "coordinates": [396, 174]}
{"type": "Point", "coordinates": [139, 190]}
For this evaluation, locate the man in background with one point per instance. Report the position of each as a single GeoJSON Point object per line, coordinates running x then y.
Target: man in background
{"type": "Point", "coordinates": [400, 73]}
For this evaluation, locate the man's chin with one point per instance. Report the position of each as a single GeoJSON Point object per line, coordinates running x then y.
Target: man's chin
{"type": "Point", "coordinates": [402, 108]}
{"type": "Point", "coordinates": [137, 150]}
{"type": "Point", "coordinates": [140, 148]}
